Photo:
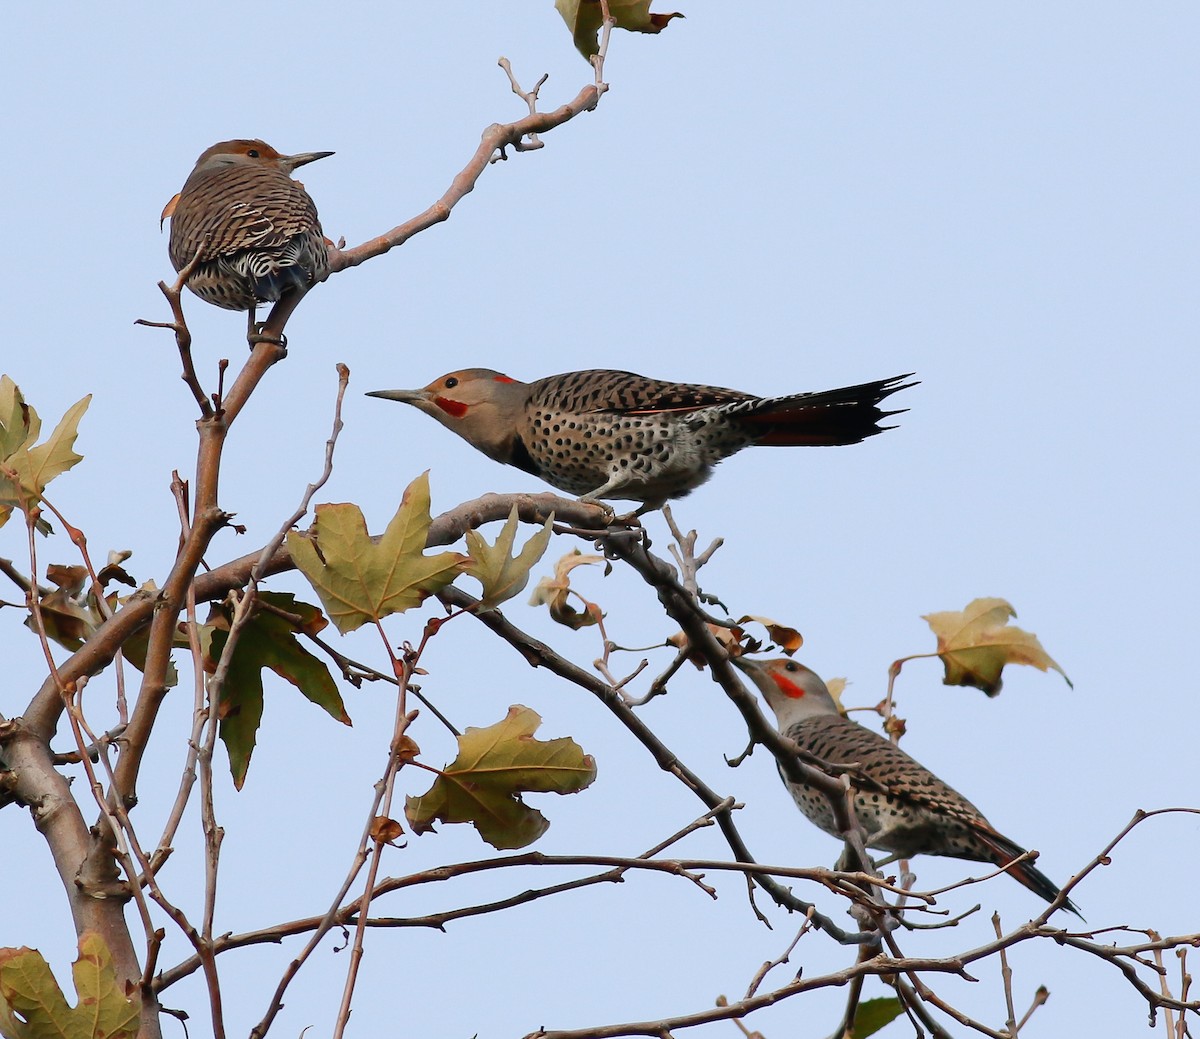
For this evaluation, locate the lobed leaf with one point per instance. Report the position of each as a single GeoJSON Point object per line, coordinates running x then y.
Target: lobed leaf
{"type": "Point", "coordinates": [26, 467]}
{"type": "Point", "coordinates": [267, 642]}
{"type": "Point", "coordinates": [976, 643]}
{"type": "Point", "coordinates": [32, 1006]}
{"type": "Point", "coordinates": [483, 785]}
{"type": "Point", "coordinates": [360, 580]}
{"type": "Point", "coordinates": [584, 18]}
{"type": "Point", "coordinates": [502, 574]}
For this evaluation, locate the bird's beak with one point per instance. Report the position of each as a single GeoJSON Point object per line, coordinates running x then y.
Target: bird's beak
{"type": "Point", "coordinates": [294, 162]}
{"type": "Point", "coordinates": [414, 397]}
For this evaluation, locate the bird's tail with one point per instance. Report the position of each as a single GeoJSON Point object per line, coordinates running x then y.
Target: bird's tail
{"type": "Point", "coordinates": [829, 418]}
{"type": "Point", "coordinates": [1024, 873]}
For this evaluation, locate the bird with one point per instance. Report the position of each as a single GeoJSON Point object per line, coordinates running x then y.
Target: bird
{"type": "Point", "coordinates": [252, 228]}
{"type": "Point", "coordinates": [902, 807]}
{"type": "Point", "coordinates": [613, 434]}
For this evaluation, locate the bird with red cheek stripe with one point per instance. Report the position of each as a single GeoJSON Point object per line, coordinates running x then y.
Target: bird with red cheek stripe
{"type": "Point", "coordinates": [609, 434]}
{"type": "Point", "coordinates": [902, 807]}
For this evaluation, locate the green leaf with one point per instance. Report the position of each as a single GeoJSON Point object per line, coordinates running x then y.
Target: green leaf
{"type": "Point", "coordinates": [267, 642]}
{"type": "Point", "coordinates": [494, 566]}
{"type": "Point", "coordinates": [483, 785]}
{"type": "Point", "coordinates": [976, 643]}
{"type": "Point", "coordinates": [872, 1014]}
{"type": "Point", "coordinates": [361, 581]}
{"type": "Point", "coordinates": [26, 469]}
{"type": "Point", "coordinates": [32, 1006]}
{"type": "Point", "coordinates": [584, 18]}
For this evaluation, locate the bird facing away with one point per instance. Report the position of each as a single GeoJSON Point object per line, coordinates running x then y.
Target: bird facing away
{"type": "Point", "coordinates": [902, 806]}
{"type": "Point", "coordinates": [255, 228]}
{"type": "Point", "coordinates": [609, 434]}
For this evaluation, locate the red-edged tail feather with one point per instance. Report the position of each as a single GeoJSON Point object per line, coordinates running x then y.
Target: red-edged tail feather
{"type": "Point", "coordinates": [830, 418]}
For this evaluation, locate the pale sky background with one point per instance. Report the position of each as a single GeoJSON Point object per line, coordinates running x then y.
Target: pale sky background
{"type": "Point", "coordinates": [782, 197]}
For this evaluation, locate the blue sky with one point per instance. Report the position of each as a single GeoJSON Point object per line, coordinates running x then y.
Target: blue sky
{"type": "Point", "coordinates": [1000, 198]}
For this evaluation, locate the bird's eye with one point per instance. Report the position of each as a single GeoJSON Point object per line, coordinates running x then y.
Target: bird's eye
{"type": "Point", "coordinates": [451, 382]}
{"type": "Point", "coordinates": [253, 153]}
{"type": "Point", "coordinates": [791, 665]}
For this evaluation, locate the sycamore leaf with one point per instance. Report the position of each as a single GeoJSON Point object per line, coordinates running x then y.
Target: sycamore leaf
{"type": "Point", "coordinates": [19, 423]}
{"type": "Point", "coordinates": [836, 687]}
{"type": "Point", "coordinates": [135, 647]}
{"type": "Point", "coordinates": [267, 641]}
{"type": "Point", "coordinates": [871, 1015]}
{"type": "Point", "coordinates": [977, 642]}
{"type": "Point", "coordinates": [114, 571]}
{"type": "Point", "coordinates": [385, 830]}
{"type": "Point", "coordinates": [786, 638]}
{"type": "Point", "coordinates": [70, 614]}
{"type": "Point", "coordinates": [483, 785]}
{"type": "Point", "coordinates": [361, 581]}
{"type": "Point", "coordinates": [553, 592]}
{"type": "Point", "coordinates": [502, 574]}
{"type": "Point", "coordinates": [26, 466]}
{"type": "Point", "coordinates": [32, 1006]}
{"type": "Point", "coordinates": [584, 18]}
{"type": "Point", "coordinates": [729, 638]}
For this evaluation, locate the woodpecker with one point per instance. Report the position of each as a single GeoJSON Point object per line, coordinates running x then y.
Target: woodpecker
{"type": "Point", "coordinates": [610, 434]}
{"type": "Point", "coordinates": [902, 806]}
{"type": "Point", "coordinates": [255, 228]}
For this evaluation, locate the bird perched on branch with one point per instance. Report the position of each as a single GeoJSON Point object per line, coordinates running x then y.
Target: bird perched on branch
{"type": "Point", "coordinates": [902, 806]}
{"type": "Point", "coordinates": [609, 434]}
{"type": "Point", "coordinates": [253, 228]}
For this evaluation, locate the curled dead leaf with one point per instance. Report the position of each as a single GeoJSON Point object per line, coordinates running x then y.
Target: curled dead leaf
{"type": "Point", "coordinates": [553, 592]}
{"type": "Point", "coordinates": [785, 637]}
{"type": "Point", "coordinates": [385, 830]}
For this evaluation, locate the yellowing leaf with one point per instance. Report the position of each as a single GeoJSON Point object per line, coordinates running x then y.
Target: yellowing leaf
{"type": "Point", "coordinates": [25, 466]}
{"type": "Point", "coordinates": [977, 642]}
{"type": "Point", "coordinates": [360, 581]}
{"type": "Point", "coordinates": [787, 639]}
{"type": "Point", "coordinates": [553, 592]}
{"type": "Point", "coordinates": [584, 18]}
{"type": "Point", "coordinates": [32, 1006]}
{"type": "Point", "coordinates": [483, 785]}
{"type": "Point", "coordinates": [502, 574]}
{"type": "Point", "coordinates": [267, 641]}
{"type": "Point", "coordinates": [836, 687]}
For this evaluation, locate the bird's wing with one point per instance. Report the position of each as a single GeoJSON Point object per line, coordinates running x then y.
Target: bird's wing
{"type": "Point", "coordinates": [629, 394]}
{"type": "Point", "coordinates": [885, 767]}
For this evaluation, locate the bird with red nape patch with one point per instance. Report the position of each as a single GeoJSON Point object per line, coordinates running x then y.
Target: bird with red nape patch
{"type": "Point", "coordinates": [252, 229]}
{"type": "Point", "coordinates": [901, 806]}
{"type": "Point", "coordinates": [611, 434]}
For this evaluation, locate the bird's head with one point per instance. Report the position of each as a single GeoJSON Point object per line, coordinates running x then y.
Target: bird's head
{"type": "Point", "coordinates": [480, 405]}
{"type": "Point", "coordinates": [254, 152]}
{"type": "Point", "coordinates": [793, 691]}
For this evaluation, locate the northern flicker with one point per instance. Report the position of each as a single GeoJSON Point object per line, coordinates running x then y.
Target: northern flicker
{"type": "Point", "coordinates": [902, 806]}
{"type": "Point", "coordinates": [255, 228]}
{"type": "Point", "coordinates": [609, 434]}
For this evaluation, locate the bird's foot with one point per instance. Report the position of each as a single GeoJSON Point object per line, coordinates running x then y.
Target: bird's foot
{"type": "Point", "coordinates": [591, 499]}
{"type": "Point", "coordinates": [630, 519]}
{"type": "Point", "coordinates": [257, 335]}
